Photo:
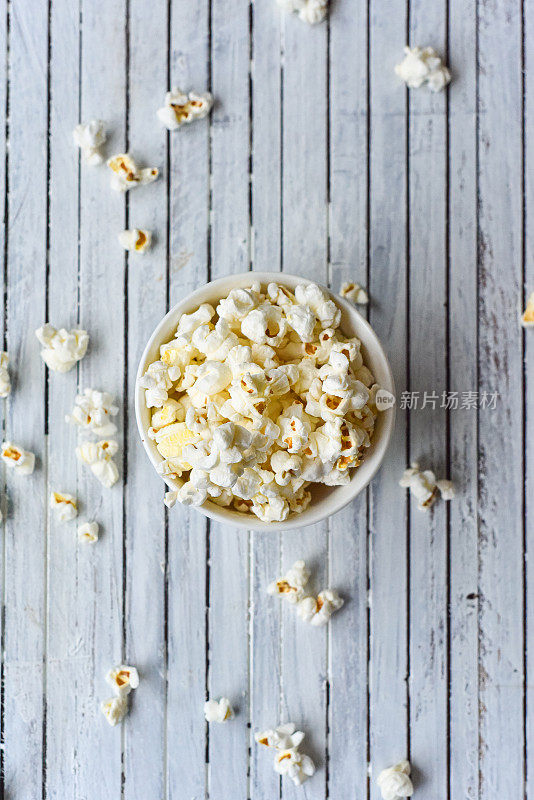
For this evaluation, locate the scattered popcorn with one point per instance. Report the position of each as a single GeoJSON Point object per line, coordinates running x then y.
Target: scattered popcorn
{"type": "Point", "coordinates": [395, 782]}
{"type": "Point", "coordinates": [291, 586]}
{"type": "Point", "coordinates": [258, 398]}
{"type": "Point", "coordinates": [295, 765]}
{"type": "Point", "coordinates": [424, 487]}
{"type": "Point", "coordinates": [89, 137]}
{"type": "Point", "coordinates": [423, 66]}
{"type": "Point", "coordinates": [126, 173]}
{"type": "Point", "coordinates": [311, 11]}
{"type": "Point", "coordinates": [115, 709]}
{"type": "Point", "coordinates": [317, 611]}
{"type": "Point", "coordinates": [123, 679]}
{"type": "Point", "coordinates": [62, 348]}
{"type": "Point", "coordinates": [88, 532]}
{"type": "Point", "coordinates": [99, 457]}
{"type": "Point", "coordinates": [354, 292]}
{"type": "Point", "coordinates": [137, 240]}
{"type": "Point", "coordinates": [218, 710]}
{"type": "Point", "coordinates": [19, 459]}
{"type": "Point", "coordinates": [527, 320]}
{"type": "Point", "coordinates": [5, 380]}
{"type": "Point", "coordinates": [64, 505]}
{"type": "Point", "coordinates": [282, 738]}
{"type": "Point", "coordinates": [93, 411]}
{"type": "Point", "coordinates": [183, 108]}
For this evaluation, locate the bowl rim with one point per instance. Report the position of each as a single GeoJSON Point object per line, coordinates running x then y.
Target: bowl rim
{"type": "Point", "coordinates": [379, 446]}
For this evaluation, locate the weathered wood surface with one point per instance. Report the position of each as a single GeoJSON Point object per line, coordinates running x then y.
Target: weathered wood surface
{"type": "Point", "coordinates": [317, 161]}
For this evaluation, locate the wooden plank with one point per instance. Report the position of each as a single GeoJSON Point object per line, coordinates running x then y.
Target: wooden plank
{"type": "Point", "coordinates": [230, 252]}
{"type": "Point", "coordinates": [266, 255]}
{"type": "Point", "coordinates": [187, 567]}
{"type": "Point", "coordinates": [463, 423]}
{"type": "Point", "coordinates": [427, 161]}
{"type": "Point", "coordinates": [25, 527]}
{"type": "Point", "coordinates": [500, 445]}
{"type": "Point", "coordinates": [100, 603]}
{"type": "Point", "coordinates": [144, 756]}
{"type": "Point", "coordinates": [305, 252]}
{"type": "Point", "coordinates": [348, 647]}
{"type": "Point", "coordinates": [387, 285]}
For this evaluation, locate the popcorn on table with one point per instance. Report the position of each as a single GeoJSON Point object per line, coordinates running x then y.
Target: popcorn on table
{"type": "Point", "coordinates": [126, 174]}
{"type": "Point", "coordinates": [93, 411]}
{"type": "Point", "coordinates": [115, 709]}
{"type": "Point", "coordinates": [285, 740]}
{"type": "Point", "coordinates": [62, 348]}
{"type": "Point", "coordinates": [423, 65]}
{"type": "Point", "coordinates": [355, 293]}
{"type": "Point", "coordinates": [98, 456]}
{"type": "Point", "coordinates": [122, 679]}
{"type": "Point", "coordinates": [218, 710]}
{"type": "Point", "coordinates": [527, 319]}
{"type": "Point", "coordinates": [22, 461]}
{"type": "Point", "coordinates": [311, 11]}
{"type": "Point", "coordinates": [88, 532]}
{"type": "Point", "coordinates": [90, 137]}
{"type": "Point", "coordinates": [135, 240]}
{"type": "Point", "coordinates": [318, 610]}
{"type": "Point", "coordinates": [64, 505]}
{"type": "Point", "coordinates": [394, 782]}
{"type": "Point", "coordinates": [424, 487]}
{"type": "Point", "coordinates": [5, 380]}
{"type": "Point", "coordinates": [255, 400]}
{"type": "Point", "coordinates": [291, 585]}
{"type": "Point", "coordinates": [181, 108]}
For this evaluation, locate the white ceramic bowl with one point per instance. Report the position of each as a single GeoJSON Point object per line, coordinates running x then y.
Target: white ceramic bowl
{"type": "Point", "coordinates": [325, 500]}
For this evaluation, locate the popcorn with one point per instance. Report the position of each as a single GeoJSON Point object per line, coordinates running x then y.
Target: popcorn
{"type": "Point", "coordinates": [123, 679]}
{"type": "Point", "coordinates": [115, 709]}
{"type": "Point", "coordinates": [5, 380]}
{"type": "Point", "coordinates": [317, 611]}
{"type": "Point", "coordinates": [88, 532]}
{"type": "Point", "coordinates": [99, 457]}
{"type": "Point", "coordinates": [423, 66]}
{"type": "Point", "coordinates": [218, 710]}
{"type": "Point", "coordinates": [311, 11]}
{"type": "Point", "coordinates": [64, 505]}
{"type": "Point", "coordinates": [291, 586]}
{"type": "Point", "coordinates": [89, 137]}
{"type": "Point", "coordinates": [181, 108]}
{"type": "Point", "coordinates": [282, 738]}
{"type": "Point", "coordinates": [527, 319]}
{"type": "Point", "coordinates": [354, 292]}
{"type": "Point", "coordinates": [93, 411]}
{"type": "Point", "coordinates": [126, 173]}
{"type": "Point", "coordinates": [424, 487]}
{"type": "Point", "coordinates": [62, 348]}
{"type": "Point", "coordinates": [22, 461]}
{"type": "Point", "coordinates": [295, 765]}
{"type": "Point", "coordinates": [395, 782]}
{"type": "Point", "coordinates": [136, 240]}
{"type": "Point", "coordinates": [256, 398]}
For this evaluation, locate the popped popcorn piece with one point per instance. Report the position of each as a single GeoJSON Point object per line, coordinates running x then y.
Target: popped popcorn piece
{"type": "Point", "coordinates": [295, 765]}
{"type": "Point", "coordinates": [93, 411]}
{"type": "Point", "coordinates": [394, 782]}
{"type": "Point", "coordinates": [183, 108]}
{"type": "Point", "coordinates": [311, 11]}
{"type": "Point", "coordinates": [157, 381]}
{"type": "Point", "coordinates": [88, 532]}
{"type": "Point", "coordinates": [62, 348]}
{"type": "Point", "coordinates": [126, 174]}
{"type": "Point", "coordinates": [22, 461]}
{"type": "Point", "coordinates": [284, 737]}
{"type": "Point", "coordinates": [170, 499]}
{"type": "Point", "coordinates": [424, 487]}
{"type": "Point", "coordinates": [354, 292]}
{"type": "Point", "coordinates": [115, 709]}
{"type": "Point", "coordinates": [135, 239]}
{"type": "Point", "coordinates": [317, 611]}
{"type": "Point", "coordinates": [423, 65]}
{"type": "Point", "coordinates": [527, 318]}
{"type": "Point", "coordinates": [64, 505]}
{"type": "Point", "coordinates": [218, 710]}
{"type": "Point", "coordinates": [123, 679]}
{"type": "Point", "coordinates": [89, 137]}
{"type": "Point", "coordinates": [98, 456]}
{"type": "Point", "coordinates": [5, 380]}
{"type": "Point", "coordinates": [291, 585]}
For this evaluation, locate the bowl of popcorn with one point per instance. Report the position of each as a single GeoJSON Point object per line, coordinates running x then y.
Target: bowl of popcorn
{"type": "Point", "coordinates": [265, 401]}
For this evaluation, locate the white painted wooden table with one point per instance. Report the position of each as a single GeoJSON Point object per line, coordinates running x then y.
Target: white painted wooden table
{"type": "Point", "coordinates": [318, 161]}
